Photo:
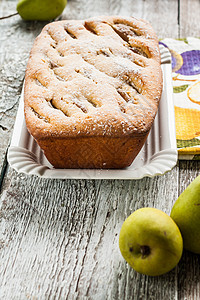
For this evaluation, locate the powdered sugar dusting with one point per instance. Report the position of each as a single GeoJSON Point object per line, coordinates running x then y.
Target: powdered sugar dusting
{"type": "Point", "coordinates": [99, 85]}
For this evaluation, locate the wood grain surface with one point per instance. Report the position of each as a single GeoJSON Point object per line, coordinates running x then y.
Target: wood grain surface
{"type": "Point", "coordinates": [59, 238]}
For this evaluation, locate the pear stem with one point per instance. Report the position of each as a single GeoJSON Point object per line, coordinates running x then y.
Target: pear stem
{"type": "Point", "coordinates": [9, 16]}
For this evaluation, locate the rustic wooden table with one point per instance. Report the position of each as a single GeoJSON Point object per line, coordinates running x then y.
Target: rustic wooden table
{"type": "Point", "coordinates": [59, 238]}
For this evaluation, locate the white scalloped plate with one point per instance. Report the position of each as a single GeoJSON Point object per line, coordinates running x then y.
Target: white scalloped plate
{"type": "Point", "coordinates": [158, 155]}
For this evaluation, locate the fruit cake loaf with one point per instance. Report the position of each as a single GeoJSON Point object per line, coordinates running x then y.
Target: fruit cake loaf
{"type": "Point", "coordinates": [92, 89]}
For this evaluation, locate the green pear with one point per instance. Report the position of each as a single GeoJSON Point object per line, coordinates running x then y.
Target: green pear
{"type": "Point", "coordinates": [41, 10]}
{"type": "Point", "coordinates": [186, 214]}
{"type": "Point", "coordinates": [150, 241]}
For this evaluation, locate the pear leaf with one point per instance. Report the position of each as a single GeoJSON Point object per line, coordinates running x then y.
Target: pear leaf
{"type": "Point", "coordinates": [181, 88]}
{"type": "Point", "coordinates": [188, 143]}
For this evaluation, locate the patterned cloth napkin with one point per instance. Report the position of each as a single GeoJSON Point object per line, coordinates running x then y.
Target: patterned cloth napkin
{"type": "Point", "coordinates": [186, 85]}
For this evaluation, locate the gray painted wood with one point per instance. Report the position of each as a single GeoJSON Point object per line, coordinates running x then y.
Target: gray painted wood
{"type": "Point", "coordinates": [16, 38]}
{"type": "Point", "coordinates": [59, 238]}
{"type": "Point", "coordinates": [189, 20]}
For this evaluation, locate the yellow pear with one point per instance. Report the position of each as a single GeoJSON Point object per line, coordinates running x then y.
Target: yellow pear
{"type": "Point", "coordinates": [41, 10]}
{"type": "Point", "coordinates": [186, 214]}
{"type": "Point", "coordinates": [150, 241]}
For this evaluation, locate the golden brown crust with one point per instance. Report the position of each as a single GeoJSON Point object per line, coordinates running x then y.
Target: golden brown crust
{"type": "Point", "coordinates": [92, 152]}
{"type": "Point", "coordinates": [91, 79]}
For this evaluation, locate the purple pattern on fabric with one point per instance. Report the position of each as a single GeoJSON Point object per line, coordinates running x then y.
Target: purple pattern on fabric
{"type": "Point", "coordinates": [173, 62]}
{"type": "Point", "coordinates": [191, 63]}
{"type": "Point", "coordinates": [161, 43]}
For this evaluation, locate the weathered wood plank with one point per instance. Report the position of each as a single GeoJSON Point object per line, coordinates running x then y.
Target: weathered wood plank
{"type": "Point", "coordinates": [15, 43]}
{"type": "Point", "coordinates": [59, 238]}
{"type": "Point", "coordinates": [189, 18]}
